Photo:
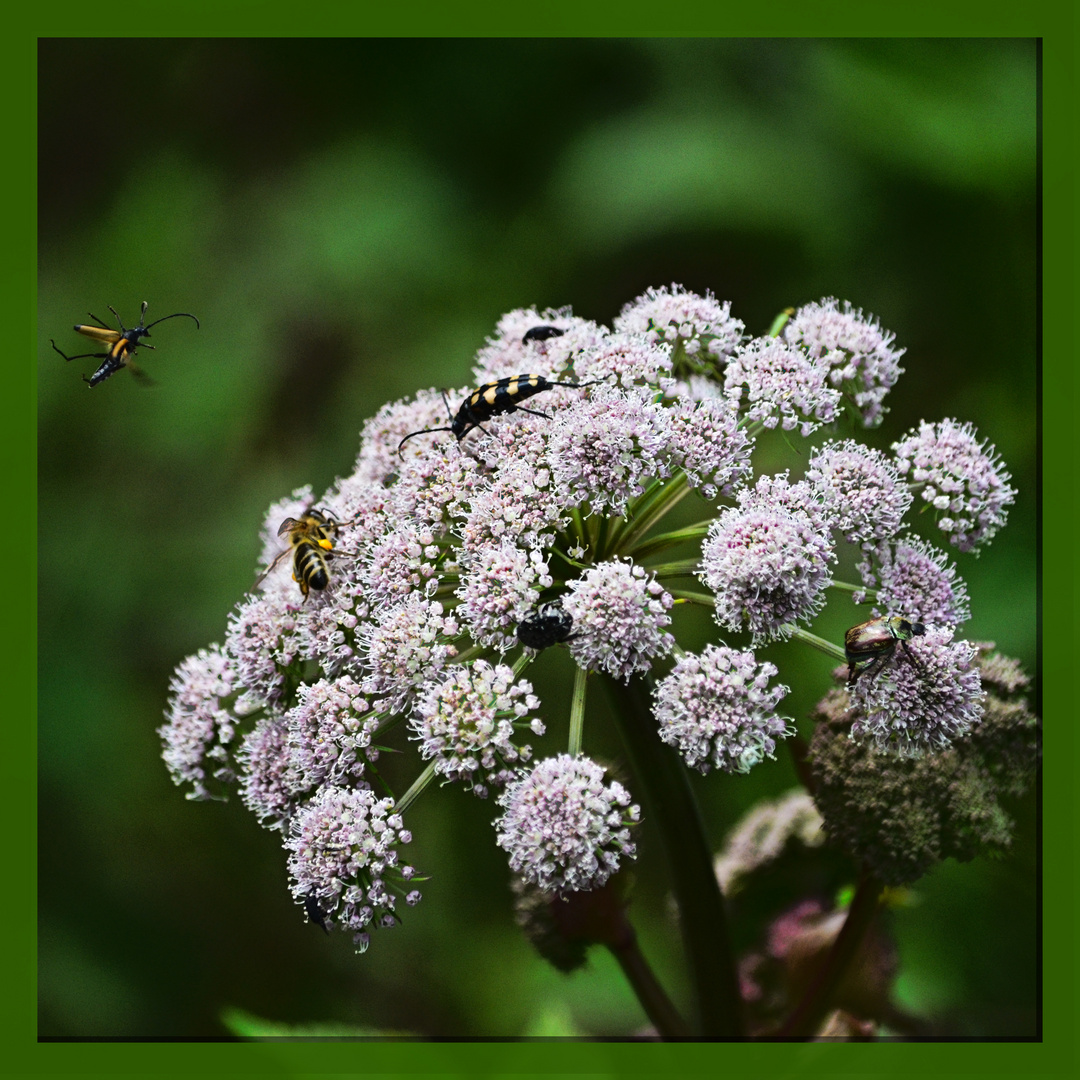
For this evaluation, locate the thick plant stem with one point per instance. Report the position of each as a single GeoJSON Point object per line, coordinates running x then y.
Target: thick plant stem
{"type": "Point", "coordinates": [810, 1013]}
{"type": "Point", "coordinates": [657, 1005]}
{"type": "Point", "coordinates": [661, 778]}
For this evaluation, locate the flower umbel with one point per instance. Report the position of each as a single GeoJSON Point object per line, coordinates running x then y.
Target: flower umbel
{"type": "Point", "coordinates": [620, 614]}
{"type": "Point", "coordinates": [767, 561]}
{"type": "Point", "coordinates": [465, 723]}
{"type": "Point", "coordinates": [343, 853]}
{"type": "Point", "coordinates": [859, 355]}
{"type": "Point", "coordinates": [923, 704]}
{"type": "Point", "coordinates": [199, 726]}
{"type": "Point", "coordinates": [961, 478]}
{"type": "Point", "coordinates": [901, 815]}
{"type": "Point", "coordinates": [563, 828]}
{"type": "Point", "coordinates": [602, 475]}
{"type": "Point", "coordinates": [716, 709]}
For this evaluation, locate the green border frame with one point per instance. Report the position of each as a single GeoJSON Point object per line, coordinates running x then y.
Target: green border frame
{"type": "Point", "coordinates": [1050, 20]}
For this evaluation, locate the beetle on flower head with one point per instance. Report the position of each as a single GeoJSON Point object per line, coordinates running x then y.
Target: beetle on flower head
{"type": "Point", "coordinates": [870, 645]}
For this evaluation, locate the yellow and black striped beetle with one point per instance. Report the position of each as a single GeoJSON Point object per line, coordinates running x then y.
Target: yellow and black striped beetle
{"type": "Point", "coordinates": [122, 343]}
{"type": "Point", "coordinates": [493, 399]}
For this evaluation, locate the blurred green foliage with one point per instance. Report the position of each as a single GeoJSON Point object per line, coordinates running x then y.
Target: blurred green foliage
{"type": "Point", "coordinates": [348, 219]}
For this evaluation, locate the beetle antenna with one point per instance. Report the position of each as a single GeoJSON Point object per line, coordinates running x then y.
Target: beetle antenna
{"type": "Point", "coordinates": [423, 431]}
{"type": "Point", "coordinates": [177, 315]}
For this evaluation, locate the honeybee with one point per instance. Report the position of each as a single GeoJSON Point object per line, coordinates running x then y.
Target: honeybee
{"type": "Point", "coordinates": [311, 547]}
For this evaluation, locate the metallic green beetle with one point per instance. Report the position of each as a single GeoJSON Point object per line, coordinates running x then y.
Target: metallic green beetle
{"type": "Point", "coordinates": [870, 645]}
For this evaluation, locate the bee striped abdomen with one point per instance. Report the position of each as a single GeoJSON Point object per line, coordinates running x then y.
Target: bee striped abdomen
{"type": "Point", "coordinates": [309, 567]}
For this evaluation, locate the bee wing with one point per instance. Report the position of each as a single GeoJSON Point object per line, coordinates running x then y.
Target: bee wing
{"type": "Point", "coordinates": [272, 567]}
{"type": "Point", "coordinates": [288, 525]}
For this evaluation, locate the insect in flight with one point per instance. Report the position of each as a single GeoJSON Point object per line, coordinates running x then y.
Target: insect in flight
{"type": "Point", "coordinates": [542, 333]}
{"type": "Point", "coordinates": [493, 399]}
{"type": "Point", "coordinates": [550, 624]}
{"type": "Point", "coordinates": [311, 549]}
{"type": "Point", "coordinates": [870, 645]}
{"type": "Point", "coordinates": [121, 343]}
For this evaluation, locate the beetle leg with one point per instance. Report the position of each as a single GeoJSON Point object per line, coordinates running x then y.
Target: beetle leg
{"type": "Point", "coordinates": [81, 356]}
{"type": "Point", "coordinates": [909, 654]}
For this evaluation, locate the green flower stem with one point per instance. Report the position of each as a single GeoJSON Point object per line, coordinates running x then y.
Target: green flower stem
{"type": "Point", "coordinates": [810, 1013]}
{"type": "Point", "coordinates": [577, 712]}
{"type": "Point", "coordinates": [470, 652]}
{"type": "Point", "coordinates": [780, 322]}
{"type": "Point", "coordinates": [641, 504]}
{"type": "Point", "coordinates": [641, 508]}
{"type": "Point", "coordinates": [850, 587]}
{"type": "Point", "coordinates": [678, 568]}
{"type": "Point", "coordinates": [694, 597]}
{"type": "Point", "coordinates": [679, 536]}
{"type": "Point", "coordinates": [669, 800]}
{"type": "Point", "coordinates": [819, 643]}
{"type": "Point", "coordinates": [654, 1000]}
{"type": "Point", "coordinates": [576, 531]}
{"type": "Point", "coordinates": [644, 517]}
{"type": "Point", "coordinates": [418, 785]}
{"type": "Point", "coordinates": [601, 538]}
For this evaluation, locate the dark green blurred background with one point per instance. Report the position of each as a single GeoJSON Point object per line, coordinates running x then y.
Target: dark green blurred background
{"type": "Point", "coordinates": [348, 219]}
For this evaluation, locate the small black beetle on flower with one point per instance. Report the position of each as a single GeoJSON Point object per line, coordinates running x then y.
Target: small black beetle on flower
{"type": "Point", "coordinates": [549, 625]}
{"type": "Point", "coordinates": [542, 333]}
{"type": "Point", "coordinates": [870, 645]}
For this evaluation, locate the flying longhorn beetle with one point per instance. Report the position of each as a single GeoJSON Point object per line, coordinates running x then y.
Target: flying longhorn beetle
{"type": "Point", "coordinates": [121, 343]}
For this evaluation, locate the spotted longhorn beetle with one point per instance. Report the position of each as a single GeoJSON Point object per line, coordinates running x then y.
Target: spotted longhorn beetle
{"type": "Point", "coordinates": [121, 343]}
{"type": "Point", "coordinates": [493, 399]}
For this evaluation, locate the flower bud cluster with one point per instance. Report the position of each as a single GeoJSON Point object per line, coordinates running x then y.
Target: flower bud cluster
{"type": "Point", "coordinates": [900, 814]}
